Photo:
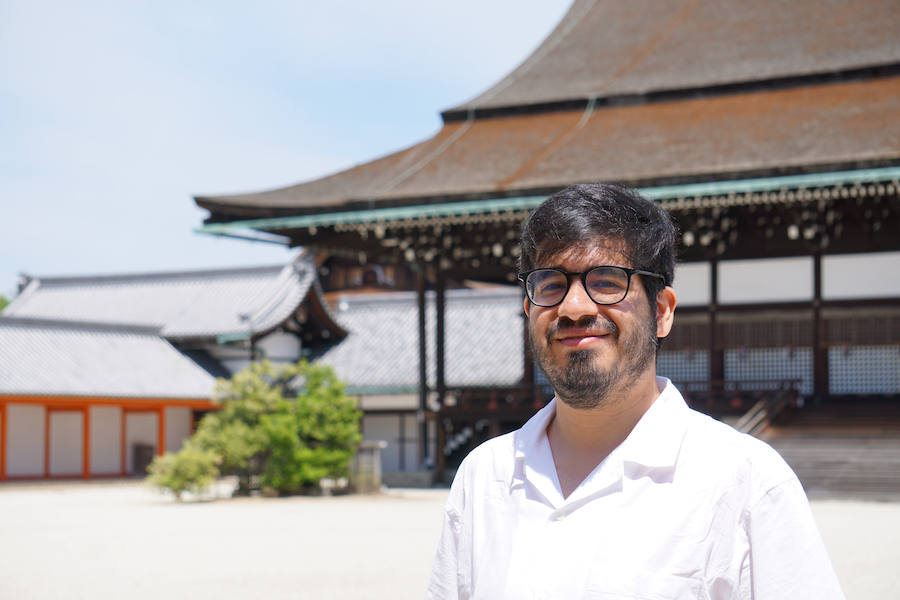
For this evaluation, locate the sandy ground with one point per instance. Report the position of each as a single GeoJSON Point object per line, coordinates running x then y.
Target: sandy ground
{"type": "Point", "coordinates": [104, 542]}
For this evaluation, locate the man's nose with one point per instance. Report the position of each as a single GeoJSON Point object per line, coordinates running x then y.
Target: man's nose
{"type": "Point", "coordinates": [577, 303]}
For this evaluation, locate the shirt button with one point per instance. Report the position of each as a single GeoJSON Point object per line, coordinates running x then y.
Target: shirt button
{"type": "Point", "coordinates": [559, 515]}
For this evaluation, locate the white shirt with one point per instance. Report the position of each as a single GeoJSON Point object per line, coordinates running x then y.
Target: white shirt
{"type": "Point", "coordinates": [685, 507]}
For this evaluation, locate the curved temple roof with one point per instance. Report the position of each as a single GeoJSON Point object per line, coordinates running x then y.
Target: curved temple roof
{"type": "Point", "coordinates": [59, 358]}
{"type": "Point", "coordinates": [658, 143]}
{"type": "Point", "coordinates": [184, 305]}
{"type": "Point", "coordinates": [610, 48]}
{"type": "Point", "coordinates": [650, 93]}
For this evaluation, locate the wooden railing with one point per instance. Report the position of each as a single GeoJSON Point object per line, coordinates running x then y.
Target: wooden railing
{"type": "Point", "coordinates": [723, 398]}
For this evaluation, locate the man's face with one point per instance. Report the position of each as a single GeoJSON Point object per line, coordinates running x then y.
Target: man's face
{"type": "Point", "coordinates": [592, 353]}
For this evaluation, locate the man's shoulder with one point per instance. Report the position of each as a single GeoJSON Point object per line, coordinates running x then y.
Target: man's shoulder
{"type": "Point", "coordinates": [718, 443]}
{"type": "Point", "coordinates": [496, 451]}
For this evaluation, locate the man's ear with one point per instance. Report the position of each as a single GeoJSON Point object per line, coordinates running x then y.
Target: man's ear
{"type": "Point", "coordinates": [527, 306]}
{"type": "Point", "coordinates": [665, 311]}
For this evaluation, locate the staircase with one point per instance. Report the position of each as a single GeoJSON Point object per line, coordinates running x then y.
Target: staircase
{"type": "Point", "coordinates": [848, 450]}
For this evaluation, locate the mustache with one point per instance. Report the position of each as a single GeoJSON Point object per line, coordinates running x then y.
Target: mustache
{"type": "Point", "coordinates": [596, 324]}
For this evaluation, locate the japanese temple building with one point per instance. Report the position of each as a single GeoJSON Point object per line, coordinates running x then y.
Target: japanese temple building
{"type": "Point", "coordinates": [100, 373]}
{"type": "Point", "coordinates": [769, 129]}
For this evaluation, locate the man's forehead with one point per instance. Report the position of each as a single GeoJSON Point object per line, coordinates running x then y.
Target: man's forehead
{"type": "Point", "coordinates": [598, 252]}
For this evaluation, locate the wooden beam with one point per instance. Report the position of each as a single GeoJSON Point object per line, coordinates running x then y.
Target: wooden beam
{"type": "Point", "coordinates": [161, 448]}
{"type": "Point", "coordinates": [46, 441]}
{"type": "Point", "coordinates": [820, 352]}
{"type": "Point", "coordinates": [124, 443]}
{"type": "Point", "coordinates": [4, 428]}
{"type": "Point", "coordinates": [86, 441]}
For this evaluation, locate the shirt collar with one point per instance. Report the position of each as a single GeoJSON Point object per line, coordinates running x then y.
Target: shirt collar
{"type": "Point", "coordinates": [654, 441]}
{"type": "Point", "coordinates": [532, 431]}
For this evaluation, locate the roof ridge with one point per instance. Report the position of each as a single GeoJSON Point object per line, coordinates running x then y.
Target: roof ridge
{"type": "Point", "coordinates": [600, 100]}
{"type": "Point", "coordinates": [124, 277]}
{"type": "Point", "coordinates": [80, 325]}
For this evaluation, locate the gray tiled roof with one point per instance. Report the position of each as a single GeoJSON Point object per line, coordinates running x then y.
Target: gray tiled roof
{"type": "Point", "coordinates": [198, 304]}
{"type": "Point", "coordinates": [484, 339]}
{"type": "Point", "coordinates": [58, 358]}
{"type": "Point", "coordinates": [605, 48]}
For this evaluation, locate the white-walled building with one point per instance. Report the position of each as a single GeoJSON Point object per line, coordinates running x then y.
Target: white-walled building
{"type": "Point", "coordinates": [92, 400]}
{"type": "Point", "coordinates": [98, 374]}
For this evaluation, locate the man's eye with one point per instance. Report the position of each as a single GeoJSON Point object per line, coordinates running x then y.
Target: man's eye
{"type": "Point", "coordinates": [605, 285]}
{"type": "Point", "coordinates": [549, 287]}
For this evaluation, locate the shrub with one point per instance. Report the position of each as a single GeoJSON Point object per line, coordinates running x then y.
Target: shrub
{"type": "Point", "coordinates": [189, 470]}
{"type": "Point", "coordinates": [273, 437]}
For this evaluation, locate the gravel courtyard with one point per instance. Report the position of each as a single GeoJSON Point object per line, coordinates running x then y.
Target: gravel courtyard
{"type": "Point", "coordinates": [123, 540]}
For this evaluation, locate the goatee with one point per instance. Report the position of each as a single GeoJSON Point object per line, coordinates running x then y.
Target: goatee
{"type": "Point", "coordinates": [578, 379]}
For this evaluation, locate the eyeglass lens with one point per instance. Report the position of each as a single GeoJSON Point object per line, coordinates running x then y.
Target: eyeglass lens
{"type": "Point", "coordinates": [604, 285]}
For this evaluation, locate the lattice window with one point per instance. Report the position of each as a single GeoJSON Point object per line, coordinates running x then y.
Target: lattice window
{"type": "Point", "coordinates": [860, 326]}
{"type": "Point", "coordinates": [767, 329]}
{"type": "Point", "coordinates": [689, 332]}
{"type": "Point", "coordinates": [859, 370]}
{"type": "Point", "coordinates": [683, 365]}
{"type": "Point", "coordinates": [771, 364]}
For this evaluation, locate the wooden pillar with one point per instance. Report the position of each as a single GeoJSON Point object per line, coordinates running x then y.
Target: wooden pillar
{"type": "Point", "coordinates": [423, 363]}
{"type": "Point", "coordinates": [46, 441]}
{"type": "Point", "coordinates": [716, 354]}
{"type": "Point", "coordinates": [124, 443]}
{"type": "Point", "coordinates": [440, 289]}
{"type": "Point", "coordinates": [86, 435]}
{"type": "Point", "coordinates": [4, 429]}
{"type": "Point", "coordinates": [440, 322]}
{"type": "Point", "coordinates": [820, 352]}
{"type": "Point", "coordinates": [439, 462]}
{"type": "Point", "coordinates": [161, 449]}
{"type": "Point", "coordinates": [401, 443]}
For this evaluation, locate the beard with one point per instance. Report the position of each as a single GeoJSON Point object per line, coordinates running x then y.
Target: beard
{"type": "Point", "coordinates": [578, 379]}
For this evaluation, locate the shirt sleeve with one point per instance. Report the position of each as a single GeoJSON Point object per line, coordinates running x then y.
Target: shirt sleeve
{"type": "Point", "coordinates": [787, 556]}
{"type": "Point", "coordinates": [443, 584]}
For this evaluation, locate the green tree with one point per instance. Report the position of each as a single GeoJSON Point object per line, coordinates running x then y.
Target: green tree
{"type": "Point", "coordinates": [272, 437]}
{"type": "Point", "coordinates": [189, 470]}
{"type": "Point", "coordinates": [3, 302]}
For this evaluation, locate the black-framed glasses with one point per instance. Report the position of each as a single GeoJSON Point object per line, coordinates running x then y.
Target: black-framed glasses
{"type": "Point", "coordinates": [604, 285]}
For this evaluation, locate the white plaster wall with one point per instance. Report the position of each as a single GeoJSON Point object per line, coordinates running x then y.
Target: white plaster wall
{"type": "Point", "coordinates": [178, 428]}
{"type": "Point", "coordinates": [765, 280]}
{"type": "Point", "coordinates": [233, 359]}
{"type": "Point", "coordinates": [235, 364]}
{"type": "Point", "coordinates": [66, 442]}
{"type": "Point", "coordinates": [106, 440]}
{"type": "Point", "coordinates": [852, 276]}
{"type": "Point", "coordinates": [140, 428]}
{"type": "Point", "coordinates": [25, 448]}
{"type": "Point", "coordinates": [692, 284]}
{"type": "Point", "coordinates": [387, 429]}
{"type": "Point", "coordinates": [412, 447]}
{"type": "Point", "coordinates": [280, 347]}
{"type": "Point", "coordinates": [389, 402]}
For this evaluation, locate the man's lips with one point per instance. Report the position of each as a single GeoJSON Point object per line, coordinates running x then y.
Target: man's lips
{"type": "Point", "coordinates": [578, 339]}
{"type": "Point", "coordinates": [581, 334]}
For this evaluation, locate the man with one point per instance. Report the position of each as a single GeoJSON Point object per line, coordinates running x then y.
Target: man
{"type": "Point", "coordinates": [616, 489]}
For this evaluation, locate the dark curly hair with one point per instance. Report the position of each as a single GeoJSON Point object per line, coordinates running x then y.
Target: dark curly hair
{"type": "Point", "coordinates": [601, 211]}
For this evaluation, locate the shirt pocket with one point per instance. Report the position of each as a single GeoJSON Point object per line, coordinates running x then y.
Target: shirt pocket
{"type": "Point", "coordinates": [611, 583]}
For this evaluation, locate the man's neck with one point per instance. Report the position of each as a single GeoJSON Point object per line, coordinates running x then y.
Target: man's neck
{"type": "Point", "coordinates": [581, 439]}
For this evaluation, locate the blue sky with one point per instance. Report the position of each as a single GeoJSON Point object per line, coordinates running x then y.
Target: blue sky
{"type": "Point", "coordinates": [114, 114]}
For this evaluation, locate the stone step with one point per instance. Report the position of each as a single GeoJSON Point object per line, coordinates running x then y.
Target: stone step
{"type": "Point", "coordinates": [848, 461]}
